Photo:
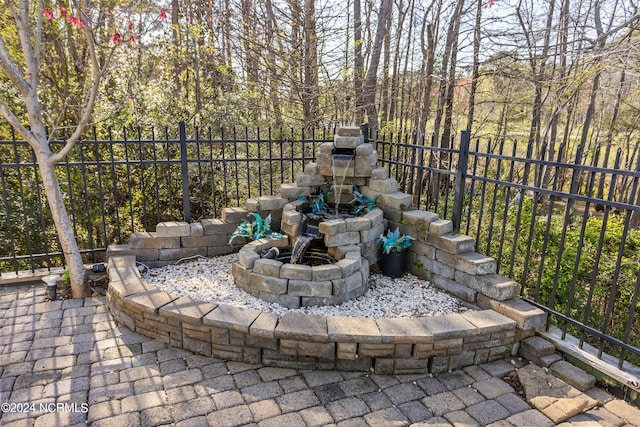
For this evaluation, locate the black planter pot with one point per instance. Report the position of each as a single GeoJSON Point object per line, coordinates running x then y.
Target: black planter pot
{"type": "Point", "coordinates": [393, 263]}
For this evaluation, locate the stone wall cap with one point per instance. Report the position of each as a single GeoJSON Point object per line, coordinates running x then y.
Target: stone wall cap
{"type": "Point", "coordinates": [151, 300]}
{"type": "Point", "coordinates": [231, 317]}
{"type": "Point", "coordinates": [399, 331]}
{"type": "Point", "coordinates": [264, 326]}
{"type": "Point", "coordinates": [448, 326]}
{"type": "Point", "coordinates": [489, 321]}
{"type": "Point", "coordinates": [298, 326]}
{"type": "Point", "coordinates": [353, 329]}
{"type": "Point", "coordinates": [187, 310]}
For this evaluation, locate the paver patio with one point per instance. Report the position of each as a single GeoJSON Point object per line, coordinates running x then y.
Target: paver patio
{"type": "Point", "coordinates": [69, 363]}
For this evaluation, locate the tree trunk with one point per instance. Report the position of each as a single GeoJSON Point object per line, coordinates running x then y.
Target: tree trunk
{"type": "Point", "coordinates": [79, 285]}
{"type": "Point", "coordinates": [310, 90]}
{"type": "Point", "coordinates": [476, 65]}
{"type": "Point", "coordinates": [358, 63]}
{"type": "Point", "coordinates": [372, 72]}
{"type": "Point", "coordinates": [452, 36]}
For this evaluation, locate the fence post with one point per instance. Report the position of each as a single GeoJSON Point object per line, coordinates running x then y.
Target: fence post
{"type": "Point", "coordinates": [186, 203]}
{"type": "Point", "coordinates": [365, 131]}
{"type": "Point", "coordinates": [461, 176]}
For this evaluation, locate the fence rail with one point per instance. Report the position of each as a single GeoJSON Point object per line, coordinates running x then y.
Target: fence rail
{"type": "Point", "coordinates": [563, 223]}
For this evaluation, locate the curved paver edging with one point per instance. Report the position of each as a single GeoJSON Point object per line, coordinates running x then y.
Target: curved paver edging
{"type": "Point", "coordinates": [386, 346]}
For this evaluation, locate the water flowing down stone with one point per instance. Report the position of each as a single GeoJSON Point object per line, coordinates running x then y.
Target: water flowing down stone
{"type": "Point", "coordinates": [301, 246]}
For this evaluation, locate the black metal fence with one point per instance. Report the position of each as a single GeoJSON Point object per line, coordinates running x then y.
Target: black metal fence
{"type": "Point", "coordinates": [567, 230]}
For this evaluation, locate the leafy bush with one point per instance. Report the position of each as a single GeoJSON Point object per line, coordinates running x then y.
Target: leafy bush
{"type": "Point", "coordinates": [255, 230]}
{"type": "Point", "coordinates": [394, 242]}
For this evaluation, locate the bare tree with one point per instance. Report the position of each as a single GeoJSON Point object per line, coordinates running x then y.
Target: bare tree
{"type": "Point", "coordinates": [26, 79]}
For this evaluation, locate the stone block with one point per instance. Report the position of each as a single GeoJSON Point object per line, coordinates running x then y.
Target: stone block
{"type": "Point", "coordinates": [187, 310]}
{"type": "Point", "coordinates": [403, 331]}
{"type": "Point", "coordinates": [297, 326]}
{"type": "Point", "coordinates": [463, 292]}
{"type": "Point", "coordinates": [375, 350]}
{"type": "Point", "coordinates": [176, 254]}
{"type": "Point", "coordinates": [351, 142]}
{"type": "Point", "coordinates": [420, 218]}
{"type": "Point", "coordinates": [471, 263]}
{"type": "Point", "coordinates": [231, 317]}
{"type": "Point", "coordinates": [273, 285]}
{"type": "Point", "coordinates": [452, 243]}
{"type": "Point", "coordinates": [396, 200]}
{"type": "Point", "coordinates": [437, 268]}
{"type": "Point", "coordinates": [440, 227]}
{"type": "Point", "coordinates": [323, 351]}
{"type": "Point", "coordinates": [149, 301]}
{"type": "Point", "coordinates": [196, 229]}
{"type": "Point", "coordinates": [526, 315]}
{"type": "Point", "coordinates": [311, 169]}
{"type": "Point", "coordinates": [291, 217]}
{"type": "Point", "coordinates": [423, 350]}
{"type": "Point", "coordinates": [322, 273]}
{"type": "Point", "coordinates": [391, 214]}
{"type": "Point", "coordinates": [347, 285]}
{"type": "Point", "coordinates": [247, 257]}
{"type": "Point", "coordinates": [489, 322]}
{"type": "Point", "coordinates": [573, 375]}
{"type": "Point", "coordinates": [268, 267]}
{"type": "Point", "coordinates": [364, 150]}
{"type": "Point", "coordinates": [357, 224]}
{"type": "Point", "coordinates": [204, 241]}
{"type": "Point", "coordinates": [146, 254]}
{"type": "Point", "coordinates": [271, 203]}
{"type": "Point", "coordinates": [423, 249]}
{"type": "Point", "coordinates": [380, 173]}
{"type": "Point", "coordinates": [375, 216]}
{"type": "Point", "coordinates": [289, 301]}
{"type": "Point", "coordinates": [234, 215]}
{"type": "Point", "coordinates": [498, 287]}
{"type": "Point", "coordinates": [309, 288]}
{"type": "Point", "coordinates": [348, 131]}
{"type": "Point", "coordinates": [334, 226]}
{"type": "Point", "coordinates": [172, 229]}
{"type": "Point", "coordinates": [384, 186]}
{"type": "Point", "coordinates": [296, 271]}
{"type": "Point", "coordinates": [404, 366]}
{"type": "Point", "coordinates": [349, 266]}
{"type": "Point", "coordinates": [346, 350]}
{"type": "Point", "coordinates": [252, 205]}
{"type": "Point", "coordinates": [353, 330]}
{"type": "Point", "coordinates": [147, 240]}
{"type": "Point", "coordinates": [448, 326]}
{"type": "Point", "coordinates": [218, 226]}
{"type": "Point", "coordinates": [372, 234]}
{"type": "Point", "coordinates": [342, 239]}
{"type": "Point", "coordinates": [264, 326]}
{"type": "Point", "coordinates": [537, 346]}
{"type": "Point", "coordinates": [292, 191]}
{"type": "Point", "coordinates": [304, 180]}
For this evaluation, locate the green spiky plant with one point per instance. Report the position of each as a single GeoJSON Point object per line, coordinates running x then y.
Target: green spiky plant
{"type": "Point", "coordinates": [361, 202]}
{"type": "Point", "coordinates": [255, 230]}
{"type": "Point", "coordinates": [320, 202]}
{"type": "Point", "coordinates": [394, 242]}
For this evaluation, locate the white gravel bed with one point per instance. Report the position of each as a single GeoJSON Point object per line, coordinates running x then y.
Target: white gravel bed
{"type": "Point", "coordinates": [210, 279]}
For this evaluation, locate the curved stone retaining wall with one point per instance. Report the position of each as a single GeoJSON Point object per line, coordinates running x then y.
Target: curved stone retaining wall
{"type": "Point", "coordinates": [400, 346]}
{"type": "Point", "coordinates": [298, 285]}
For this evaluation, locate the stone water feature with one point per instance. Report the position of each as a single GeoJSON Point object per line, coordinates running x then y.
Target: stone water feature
{"type": "Point", "coordinates": [295, 340]}
{"type": "Point", "coordinates": [330, 241]}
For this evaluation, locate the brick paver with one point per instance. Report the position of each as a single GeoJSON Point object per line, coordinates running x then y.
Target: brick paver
{"type": "Point", "coordinates": [73, 353]}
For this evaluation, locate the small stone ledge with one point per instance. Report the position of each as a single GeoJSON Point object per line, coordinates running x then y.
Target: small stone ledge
{"type": "Point", "coordinates": [419, 345]}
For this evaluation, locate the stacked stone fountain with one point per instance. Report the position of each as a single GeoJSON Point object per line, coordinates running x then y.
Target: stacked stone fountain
{"type": "Point", "coordinates": [350, 241]}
